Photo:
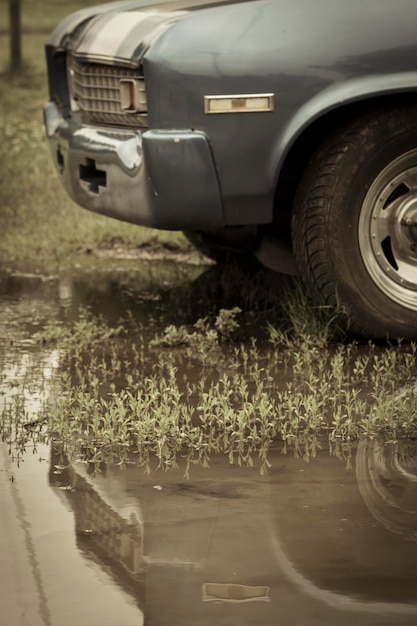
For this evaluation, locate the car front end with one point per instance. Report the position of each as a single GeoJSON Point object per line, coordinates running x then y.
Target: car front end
{"type": "Point", "coordinates": [108, 157]}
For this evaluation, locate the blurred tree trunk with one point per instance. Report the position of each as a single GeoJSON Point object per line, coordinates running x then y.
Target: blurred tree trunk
{"type": "Point", "coordinates": [15, 36]}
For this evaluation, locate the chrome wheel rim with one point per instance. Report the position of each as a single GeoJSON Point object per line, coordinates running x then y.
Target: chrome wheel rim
{"type": "Point", "coordinates": [388, 231]}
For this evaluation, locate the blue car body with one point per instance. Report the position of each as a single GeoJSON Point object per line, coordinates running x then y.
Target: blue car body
{"type": "Point", "coordinates": [211, 170]}
{"type": "Point", "coordinates": [202, 116]}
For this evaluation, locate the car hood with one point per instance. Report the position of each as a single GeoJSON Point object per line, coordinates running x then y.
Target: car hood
{"type": "Point", "coordinates": [124, 30]}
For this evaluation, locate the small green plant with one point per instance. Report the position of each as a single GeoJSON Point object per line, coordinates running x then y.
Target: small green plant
{"type": "Point", "coordinates": [86, 330]}
{"type": "Point", "coordinates": [204, 337]}
{"type": "Point", "coordinates": [226, 322]}
{"type": "Point", "coordinates": [303, 322]}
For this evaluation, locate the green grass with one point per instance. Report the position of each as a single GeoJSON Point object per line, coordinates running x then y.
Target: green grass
{"type": "Point", "coordinates": [40, 225]}
{"type": "Point", "coordinates": [198, 390]}
{"type": "Point", "coordinates": [42, 15]}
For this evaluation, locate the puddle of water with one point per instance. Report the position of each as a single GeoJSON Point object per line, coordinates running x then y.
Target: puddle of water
{"type": "Point", "coordinates": [315, 543]}
{"type": "Point", "coordinates": [44, 578]}
{"type": "Point", "coordinates": [311, 543]}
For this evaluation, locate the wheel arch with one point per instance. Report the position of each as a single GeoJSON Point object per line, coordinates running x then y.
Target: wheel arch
{"type": "Point", "coordinates": [310, 127]}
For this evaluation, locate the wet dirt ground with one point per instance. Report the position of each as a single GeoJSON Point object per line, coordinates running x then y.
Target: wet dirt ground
{"type": "Point", "coordinates": [328, 542]}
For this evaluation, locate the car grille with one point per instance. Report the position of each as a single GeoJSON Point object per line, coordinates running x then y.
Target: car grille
{"type": "Point", "coordinates": [96, 91]}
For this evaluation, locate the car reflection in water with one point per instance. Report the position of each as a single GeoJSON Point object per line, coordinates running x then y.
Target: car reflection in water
{"type": "Point", "coordinates": [314, 543]}
{"type": "Point", "coordinates": [387, 480]}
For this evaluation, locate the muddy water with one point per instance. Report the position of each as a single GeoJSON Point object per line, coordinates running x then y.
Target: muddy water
{"type": "Point", "coordinates": [319, 543]}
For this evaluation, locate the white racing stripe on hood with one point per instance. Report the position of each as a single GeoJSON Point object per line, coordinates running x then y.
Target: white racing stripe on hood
{"type": "Point", "coordinates": [126, 35]}
{"type": "Point", "coordinates": [110, 35]}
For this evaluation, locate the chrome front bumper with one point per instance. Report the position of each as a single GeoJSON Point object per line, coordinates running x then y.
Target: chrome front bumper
{"type": "Point", "coordinates": [162, 179]}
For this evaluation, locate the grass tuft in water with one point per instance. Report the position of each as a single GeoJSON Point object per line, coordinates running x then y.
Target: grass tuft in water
{"type": "Point", "coordinates": [199, 391]}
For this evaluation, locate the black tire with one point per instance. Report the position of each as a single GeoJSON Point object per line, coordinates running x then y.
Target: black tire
{"type": "Point", "coordinates": [354, 224]}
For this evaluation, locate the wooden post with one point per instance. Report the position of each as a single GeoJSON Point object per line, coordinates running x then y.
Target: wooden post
{"type": "Point", "coordinates": [15, 35]}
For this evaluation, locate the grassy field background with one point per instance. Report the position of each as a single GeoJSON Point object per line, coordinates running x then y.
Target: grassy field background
{"type": "Point", "coordinates": [39, 224]}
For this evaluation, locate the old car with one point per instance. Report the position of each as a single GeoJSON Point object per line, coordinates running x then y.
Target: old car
{"type": "Point", "coordinates": [270, 128]}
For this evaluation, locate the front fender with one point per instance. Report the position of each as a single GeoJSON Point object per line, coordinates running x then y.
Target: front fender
{"type": "Point", "coordinates": [335, 96]}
